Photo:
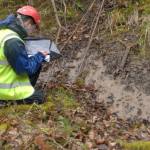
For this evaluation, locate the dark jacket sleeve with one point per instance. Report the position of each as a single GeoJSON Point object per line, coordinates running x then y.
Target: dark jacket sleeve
{"type": "Point", "coordinates": [16, 54]}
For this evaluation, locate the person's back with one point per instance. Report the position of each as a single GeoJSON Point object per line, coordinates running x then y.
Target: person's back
{"type": "Point", "coordinates": [18, 72]}
{"type": "Point", "coordinates": [10, 18]}
{"type": "Point", "coordinates": [12, 85]}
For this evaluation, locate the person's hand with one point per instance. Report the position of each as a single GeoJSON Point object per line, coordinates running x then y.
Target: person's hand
{"type": "Point", "coordinates": [44, 53]}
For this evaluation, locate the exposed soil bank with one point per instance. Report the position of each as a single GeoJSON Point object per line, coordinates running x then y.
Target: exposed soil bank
{"type": "Point", "coordinates": [127, 94]}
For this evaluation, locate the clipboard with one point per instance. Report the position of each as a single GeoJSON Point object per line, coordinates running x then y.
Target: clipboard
{"type": "Point", "coordinates": [34, 45]}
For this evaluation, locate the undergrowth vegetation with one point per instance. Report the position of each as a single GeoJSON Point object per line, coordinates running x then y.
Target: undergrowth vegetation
{"type": "Point", "coordinates": [63, 122]}
{"type": "Point", "coordinates": [138, 145]}
{"type": "Point", "coordinates": [35, 117]}
{"type": "Point", "coordinates": [132, 16]}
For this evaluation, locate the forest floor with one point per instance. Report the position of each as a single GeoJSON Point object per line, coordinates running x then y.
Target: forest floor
{"type": "Point", "coordinates": [97, 93]}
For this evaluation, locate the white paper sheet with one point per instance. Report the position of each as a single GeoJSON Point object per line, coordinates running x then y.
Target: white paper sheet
{"type": "Point", "coordinates": [33, 46]}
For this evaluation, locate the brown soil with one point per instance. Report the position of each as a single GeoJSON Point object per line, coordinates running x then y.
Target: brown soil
{"type": "Point", "coordinates": [125, 92]}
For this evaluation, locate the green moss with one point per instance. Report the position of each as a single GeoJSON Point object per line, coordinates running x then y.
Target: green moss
{"type": "Point", "coordinates": [137, 145]}
{"type": "Point", "coordinates": [3, 127]}
{"type": "Point", "coordinates": [59, 97]}
{"type": "Point", "coordinates": [20, 110]}
{"type": "Point", "coordinates": [10, 110]}
{"type": "Point", "coordinates": [63, 98]}
{"type": "Point", "coordinates": [48, 106]}
{"type": "Point", "coordinates": [80, 82]}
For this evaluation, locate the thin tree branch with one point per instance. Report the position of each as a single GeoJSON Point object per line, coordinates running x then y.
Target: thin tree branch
{"type": "Point", "coordinates": [91, 38]}
{"type": "Point", "coordinates": [56, 14]}
{"type": "Point", "coordinates": [90, 7]}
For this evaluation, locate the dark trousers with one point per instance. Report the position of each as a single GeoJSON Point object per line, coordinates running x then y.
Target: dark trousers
{"type": "Point", "coordinates": [36, 97]}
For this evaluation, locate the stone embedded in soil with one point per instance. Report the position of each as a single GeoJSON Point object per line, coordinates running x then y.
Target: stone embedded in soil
{"type": "Point", "coordinates": [110, 99]}
{"type": "Point", "coordinates": [102, 147]}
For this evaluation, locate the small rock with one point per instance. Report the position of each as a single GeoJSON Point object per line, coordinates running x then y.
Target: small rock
{"type": "Point", "coordinates": [110, 99]}
{"type": "Point", "coordinates": [103, 147]}
{"type": "Point", "coordinates": [112, 144]}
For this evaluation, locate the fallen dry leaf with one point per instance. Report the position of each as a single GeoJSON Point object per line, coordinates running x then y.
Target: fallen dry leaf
{"type": "Point", "coordinates": [40, 142]}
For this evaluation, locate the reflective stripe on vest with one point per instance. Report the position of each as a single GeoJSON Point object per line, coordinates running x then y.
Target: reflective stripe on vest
{"type": "Point", "coordinates": [11, 35]}
{"type": "Point", "coordinates": [14, 85]}
{"type": "Point", "coordinates": [4, 62]}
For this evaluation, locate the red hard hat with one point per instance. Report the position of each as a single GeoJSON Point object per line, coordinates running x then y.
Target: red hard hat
{"type": "Point", "coordinates": [30, 11]}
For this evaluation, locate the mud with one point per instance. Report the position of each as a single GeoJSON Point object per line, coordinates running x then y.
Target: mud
{"type": "Point", "coordinates": [126, 100]}
{"type": "Point", "coordinates": [136, 71]}
{"type": "Point", "coordinates": [128, 93]}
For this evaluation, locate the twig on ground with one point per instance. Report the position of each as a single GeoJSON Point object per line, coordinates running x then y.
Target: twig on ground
{"type": "Point", "coordinates": [59, 145]}
{"type": "Point", "coordinates": [128, 47]}
{"type": "Point", "coordinates": [124, 59]}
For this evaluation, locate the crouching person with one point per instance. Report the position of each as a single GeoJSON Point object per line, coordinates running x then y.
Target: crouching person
{"type": "Point", "coordinates": [18, 72]}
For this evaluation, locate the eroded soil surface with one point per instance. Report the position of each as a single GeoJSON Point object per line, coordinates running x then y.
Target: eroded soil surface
{"type": "Point", "coordinates": [96, 95]}
{"type": "Point", "coordinates": [126, 92]}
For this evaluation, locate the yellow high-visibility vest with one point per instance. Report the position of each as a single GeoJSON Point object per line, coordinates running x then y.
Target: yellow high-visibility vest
{"type": "Point", "coordinates": [12, 85]}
